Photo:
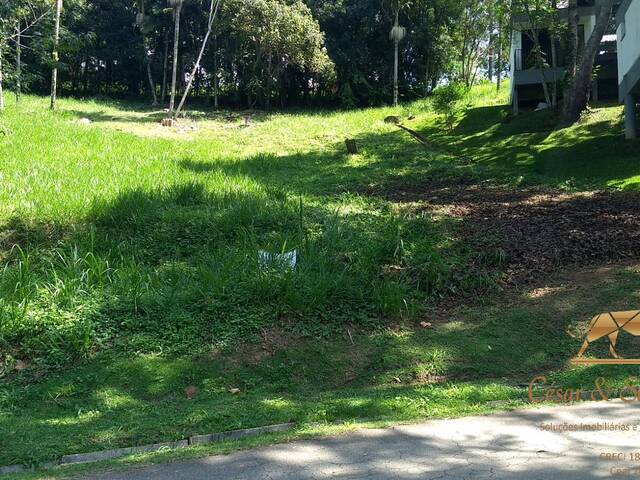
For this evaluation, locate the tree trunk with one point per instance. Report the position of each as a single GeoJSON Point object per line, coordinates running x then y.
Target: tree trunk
{"type": "Point", "coordinates": [165, 64]}
{"type": "Point", "coordinates": [554, 55]}
{"type": "Point", "coordinates": [212, 15]}
{"type": "Point", "coordinates": [490, 52]}
{"type": "Point", "coordinates": [577, 92]}
{"type": "Point", "coordinates": [267, 99]}
{"type": "Point", "coordinates": [18, 63]}
{"type": "Point", "coordinates": [215, 72]}
{"type": "Point", "coordinates": [572, 41]}
{"type": "Point", "coordinates": [85, 76]}
{"type": "Point", "coordinates": [499, 61]}
{"type": "Point", "coordinates": [146, 51]}
{"type": "Point", "coordinates": [541, 66]}
{"type": "Point", "coordinates": [1, 78]}
{"type": "Point", "coordinates": [55, 56]}
{"type": "Point", "coordinates": [176, 44]}
{"type": "Point", "coordinates": [554, 66]}
{"type": "Point", "coordinates": [152, 86]}
{"type": "Point", "coordinates": [76, 75]}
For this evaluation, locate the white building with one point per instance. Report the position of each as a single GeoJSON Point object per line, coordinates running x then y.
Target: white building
{"type": "Point", "coordinates": [526, 79]}
{"type": "Point", "coordinates": [628, 33]}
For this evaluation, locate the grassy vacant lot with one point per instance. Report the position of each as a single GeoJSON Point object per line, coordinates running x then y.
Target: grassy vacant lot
{"type": "Point", "coordinates": [131, 273]}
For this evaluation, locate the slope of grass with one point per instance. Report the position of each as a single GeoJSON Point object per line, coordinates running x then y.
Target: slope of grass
{"type": "Point", "coordinates": [527, 149]}
{"type": "Point", "coordinates": [131, 272]}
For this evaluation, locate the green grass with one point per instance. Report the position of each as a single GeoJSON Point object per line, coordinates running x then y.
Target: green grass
{"type": "Point", "coordinates": [528, 150]}
{"type": "Point", "coordinates": [130, 270]}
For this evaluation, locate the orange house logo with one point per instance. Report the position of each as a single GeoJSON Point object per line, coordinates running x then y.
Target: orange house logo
{"type": "Point", "coordinates": [610, 325]}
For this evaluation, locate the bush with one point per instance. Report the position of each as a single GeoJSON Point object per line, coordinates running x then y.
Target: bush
{"type": "Point", "coordinates": [447, 101]}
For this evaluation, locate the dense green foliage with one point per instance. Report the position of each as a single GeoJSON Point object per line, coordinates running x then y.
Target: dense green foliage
{"type": "Point", "coordinates": [312, 52]}
{"type": "Point", "coordinates": [446, 101]}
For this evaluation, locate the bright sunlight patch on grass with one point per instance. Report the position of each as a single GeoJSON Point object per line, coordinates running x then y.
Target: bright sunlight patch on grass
{"type": "Point", "coordinates": [130, 269]}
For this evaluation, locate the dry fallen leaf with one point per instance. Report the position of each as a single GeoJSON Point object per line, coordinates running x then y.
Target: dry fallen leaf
{"type": "Point", "coordinates": [234, 391]}
{"type": "Point", "coordinates": [191, 391]}
{"type": "Point", "coordinates": [397, 380]}
{"type": "Point", "coordinates": [425, 324]}
{"type": "Point", "coordinates": [20, 365]}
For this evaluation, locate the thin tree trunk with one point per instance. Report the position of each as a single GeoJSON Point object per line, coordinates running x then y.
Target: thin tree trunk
{"type": "Point", "coordinates": [554, 66]}
{"type": "Point", "coordinates": [1, 78]}
{"type": "Point", "coordinates": [18, 63]}
{"type": "Point", "coordinates": [165, 62]}
{"type": "Point", "coordinates": [85, 76]}
{"type": "Point", "coordinates": [76, 76]}
{"type": "Point", "coordinates": [499, 61]}
{"type": "Point", "coordinates": [56, 42]}
{"type": "Point", "coordinates": [540, 64]}
{"type": "Point", "coordinates": [427, 75]}
{"type": "Point", "coordinates": [146, 51]}
{"type": "Point", "coordinates": [215, 72]}
{"type": "Point", "coordinates": [490, 52]}
{"type": "Point", "coordinates": [213, 10]}
{"type": "Point", "coordinates": [554, 56]}
{"type": "Point", "coordinates": [535, 36]}
{"type": "Point", "coordinates": [151, 84]}
{"type": "Point", "coordinates": [267, 100]}
{"type": "Point", "coordinates": [176, 44]}
{"type": "Point", "coordinates": [577, 93]}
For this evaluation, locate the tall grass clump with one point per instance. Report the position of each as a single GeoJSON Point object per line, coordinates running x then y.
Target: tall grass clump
{"type": "Point", "coordinates": [116, 241]}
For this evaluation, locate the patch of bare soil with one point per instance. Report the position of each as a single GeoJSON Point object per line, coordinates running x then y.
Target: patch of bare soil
{"type": "Point", "coordinates": [539, 231]}
{"type": "Point", "coordinates": [272, 340]}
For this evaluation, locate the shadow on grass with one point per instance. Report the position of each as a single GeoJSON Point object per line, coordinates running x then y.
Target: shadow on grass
{"type": "Point", "coordinates": [590, 154]}
{"type": "Point", "coordinates": [158, 289]}
{"type": "Point", "coordinates": [119, 400]}
{"type": "Point", "coordinates": [408, 452]}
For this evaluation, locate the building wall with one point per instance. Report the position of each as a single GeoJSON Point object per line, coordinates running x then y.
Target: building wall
{"type": "Point", "coordinates": [629, 46]}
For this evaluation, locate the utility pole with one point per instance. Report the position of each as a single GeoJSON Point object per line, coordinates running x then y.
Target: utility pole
{"type": "Point", "coordinates": [397, 34]}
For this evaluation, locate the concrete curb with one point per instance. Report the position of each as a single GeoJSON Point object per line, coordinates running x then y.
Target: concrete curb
{"type": "Point", "coordinates": [237, 434]}
{"type": "Point", "coordinates": [121, 452]}
{"type": "Point", "coordinates": [157, 447]}
{"type": "Point", "coordinates": [11, 469]}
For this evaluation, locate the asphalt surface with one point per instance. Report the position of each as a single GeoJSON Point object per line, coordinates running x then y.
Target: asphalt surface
{"type": "Point", "coordinates": [504, 446]}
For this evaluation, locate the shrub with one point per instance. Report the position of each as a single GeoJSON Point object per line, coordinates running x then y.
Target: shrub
{"type": "Point", "coordinates": [447, 101]}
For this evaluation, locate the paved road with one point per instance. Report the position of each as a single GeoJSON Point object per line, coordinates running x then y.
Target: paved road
{"type": "Point", "coordinates": [504, 446]}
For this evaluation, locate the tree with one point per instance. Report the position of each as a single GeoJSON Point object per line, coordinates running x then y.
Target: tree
{"type": "Point", "coordinates": [473, 37]}
{"type": "Point", "coordinates": [16, 18]}
{"type": "Point", "coordinates": [276, 37]}
{"type": "Point", "coordinates": [576, 94]}
{"type": "Point", "coordinates": [18, 41]}
{"type": "Point", "coordinates": [145, 25]}
{"type": "Point", "coordinates": [1, 81]}
{"type": "Point", "coordinates": [213, 10]}
{"type": "Point", "coordinates": [307, 52]}
{"type": "Point", "coordinates": [55, 55]}
{"type": "Point", "coordinates": [446, 101]}
{"type": "Point", "coordinates": [504, 24]}
{"type": "Point", "coordinates": [177, 8]}
{"type": "Point", "coordinates": [540, 15]}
